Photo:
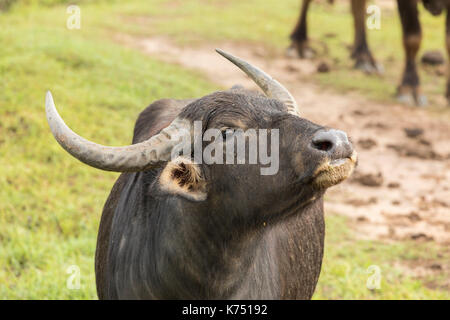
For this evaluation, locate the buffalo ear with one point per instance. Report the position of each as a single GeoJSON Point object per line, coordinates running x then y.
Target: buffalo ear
{"type": "Point", "coordinates": [184, 178]}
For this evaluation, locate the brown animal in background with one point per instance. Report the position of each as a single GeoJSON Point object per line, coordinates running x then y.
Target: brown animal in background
{"type": "Point", "coordinates": [409, 89]}
{"type": "Point", "coordinates": [361, 52]}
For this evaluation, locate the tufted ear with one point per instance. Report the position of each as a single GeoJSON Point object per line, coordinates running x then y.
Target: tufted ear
{"type": "Point", "coordinates": [183, 177]}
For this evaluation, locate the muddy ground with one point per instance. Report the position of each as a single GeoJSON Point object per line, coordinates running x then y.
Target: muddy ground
{"type": "Point", "coordinates": [401, 187]}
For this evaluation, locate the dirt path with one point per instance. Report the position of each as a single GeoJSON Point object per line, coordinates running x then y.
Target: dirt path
{"type": "Point", "coordinates": [401, 188]}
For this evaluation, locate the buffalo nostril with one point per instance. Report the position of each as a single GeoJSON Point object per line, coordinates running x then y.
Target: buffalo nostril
{"type": "Point", "coordinates": [324, 140]}
{"type": "Point", "coordinates": [323, 145]}
{"type": "Point", "coordinates": [334, 142]}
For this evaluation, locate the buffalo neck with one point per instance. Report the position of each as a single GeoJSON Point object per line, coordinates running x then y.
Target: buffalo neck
{"type": "Point", "coordinates": [168, 247]}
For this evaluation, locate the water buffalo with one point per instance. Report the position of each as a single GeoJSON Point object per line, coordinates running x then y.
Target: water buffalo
{"type": "Point", "coordinates": [409, 89]}
{"type": "Point", "coordinates": [178, 228]}
{"type": "Point", "coordinates": [361, 52]}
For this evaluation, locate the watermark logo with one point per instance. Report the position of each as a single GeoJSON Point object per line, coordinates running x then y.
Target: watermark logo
{"type": "Point", "coordinates": [230, 146]}
{"type": "Point", "coordinates": [372, 275]}
{"type": "Point", "coordinates": [74, 19]}
{"type": "Point", "coordinates": [374, 19]}
{"type": "Point", "coordinates": [74, 280]}
{"type": "Point", "coordinates": [374, 281]}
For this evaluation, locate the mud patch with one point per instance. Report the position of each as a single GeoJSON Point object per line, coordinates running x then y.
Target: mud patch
{"type": "Point", "coordinates": [368, 179]}
{"type": "Point", "coordinates": [367, 143]}
{"type": "Point", "coordinates": [423, 151]}
{"type": "Point", "coordinates": [435, 274]}
{"type": "Point", "coordinates": [413, 132]}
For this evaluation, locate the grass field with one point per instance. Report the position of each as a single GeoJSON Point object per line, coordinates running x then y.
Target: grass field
{"type": "Point", "coordinates": [50, 204]}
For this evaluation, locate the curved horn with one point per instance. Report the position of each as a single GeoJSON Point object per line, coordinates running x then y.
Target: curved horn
{"type": "Point", "coordinates": [136, 157]}
{"type": "Point", "coordinates": [271, 87]}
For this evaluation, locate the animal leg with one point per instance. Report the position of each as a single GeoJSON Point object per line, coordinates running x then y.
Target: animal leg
{"type": "Point", "coordinates": [409, 89]}
{"type": "Point", "coordinates": [361, 52]}
{"type": "Point", "coordinates": [299, 37]}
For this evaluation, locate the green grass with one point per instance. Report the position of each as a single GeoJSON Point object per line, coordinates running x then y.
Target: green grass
{"type": "Point", "coordinates": [50, 204]}
{"type": "Point", "coordinates": [345, 267]}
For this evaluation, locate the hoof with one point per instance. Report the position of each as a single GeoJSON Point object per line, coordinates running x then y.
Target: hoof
{"type": "Point", "coordinates": [307, 53]}
{"type": "Point", "coordinates": [292, 52]}
{"type": "Point", "coordinates": [411, 95]}
{"type": "Point", "coordinates": [302, 51]}
{"type": "Point", "coordinates": [413, 100]}
{"type": "Point", "coordinates": [370, 67]}
{"type": "Point", "coordinates": [421, 101]}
